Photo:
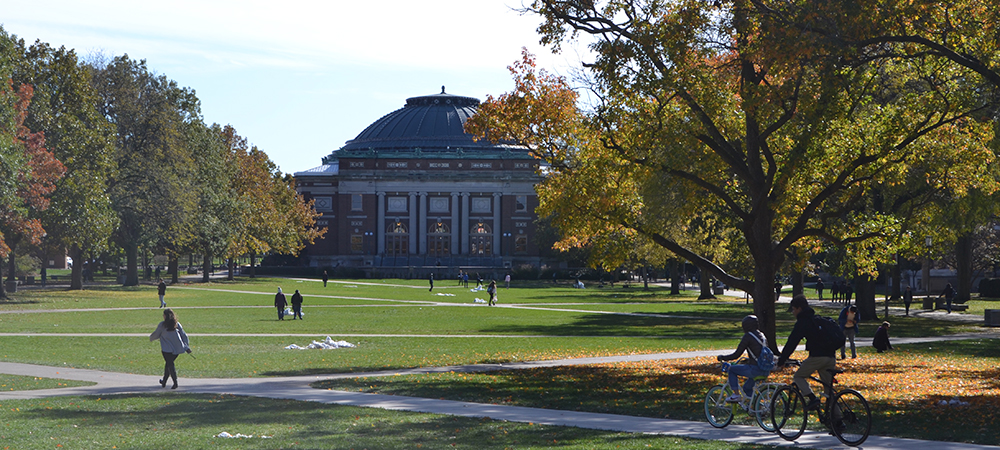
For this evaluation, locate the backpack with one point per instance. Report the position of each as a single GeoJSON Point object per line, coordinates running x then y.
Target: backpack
{"type": "Point", "coordinates": [766, 360]}
{"type": "Point", "coordinates": [829, 337]}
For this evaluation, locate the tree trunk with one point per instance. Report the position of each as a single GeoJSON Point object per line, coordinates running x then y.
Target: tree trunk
{"type": "Point", "coordinates": [173, 267]}
{"type": "Point", "coordinates": [232, 268]}
{"type": "Point", "coordinates": [11, 264]}
{"type": "Point", "coordinates": [864, 295]}
{"type": "Point", "coordinates": [764, 304]}
{"type": "Point", "coordinates": [675, 277]}
{"type": "Point", "coordinates": [206, 266]}
{"type": "Point", "coordinates": [963, 255]}
{"type": "Point", "coordinates": [76, 274]}
{"type": "Point", "coordinates": [797, 280]}
{"type": "Point", "coordinates": [131, 265]}
{"type": "Point", "coordinates": [253, 264]}
{"type": "Point", "coordinates": [705, 282]}
{"type": "Point", "coordinates": [897, 282]}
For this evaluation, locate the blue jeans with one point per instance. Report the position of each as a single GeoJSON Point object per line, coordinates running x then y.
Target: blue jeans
{"type": "Point", "coordinates": [747, 371]}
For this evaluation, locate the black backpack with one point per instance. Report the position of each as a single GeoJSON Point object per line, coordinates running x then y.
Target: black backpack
{"type": "Point", "coordinates": [829, 337]}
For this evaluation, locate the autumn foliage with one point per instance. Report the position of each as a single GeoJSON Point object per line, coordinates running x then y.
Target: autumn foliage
{"type": "Point", "coordinates": [30, 170]}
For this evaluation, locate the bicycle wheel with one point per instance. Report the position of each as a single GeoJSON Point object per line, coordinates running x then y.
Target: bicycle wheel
{"type": "Point", "coordinates": [788, 413]}
{"type": "Point", "coordinates": [718, 412]}
{"type": "Point", "coordinates": [761, 405]}
{"type": "Point", "coordinates": [851, 418]}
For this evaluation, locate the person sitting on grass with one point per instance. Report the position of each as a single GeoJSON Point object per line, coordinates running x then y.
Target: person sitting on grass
{"type": "Point", "coordinates": [753, 343]}
{"type": "Point", "coordinates": [881, 342]}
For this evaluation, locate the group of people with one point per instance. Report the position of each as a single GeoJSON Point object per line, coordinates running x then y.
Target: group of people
{"type": "Point", "coordinates": [821, 355]}
{"type": "Point", "coordinates": [840, 291]}
{"type": "Point", "coordinates": [282, 304]}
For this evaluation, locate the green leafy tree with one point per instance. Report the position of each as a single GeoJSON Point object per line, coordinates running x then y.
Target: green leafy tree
{"type": "Point", "coordinates": [150, 190]}
{"type": "Point", "coordinates": [778, 136]}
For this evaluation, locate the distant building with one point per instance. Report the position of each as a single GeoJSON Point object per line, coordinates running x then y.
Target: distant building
{"type": "Point", "coordinates": [414, 193]}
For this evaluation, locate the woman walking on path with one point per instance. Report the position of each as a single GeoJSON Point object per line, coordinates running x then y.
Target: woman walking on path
{"type": "Point", "coordinates": [848, 320]}
{"type": "Point", "coordinates": [492, 290]}
{"type": "Point", "coordinates": [173, 342]}
{"type": "Point", "coordinates": [281, 304]}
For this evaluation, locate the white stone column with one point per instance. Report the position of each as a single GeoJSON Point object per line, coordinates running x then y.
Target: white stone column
{"type": "Point", "coordinates": [414, 229]}
{"type": "Point", "coordinates": [380, 222]}
{"type": "Point", "coordinates": [455, 230]}
{"type": "Point", "coordinates": [465, 223]}
{"type": "Point", "coordinates": [496, 222]}
{"type": "Point", "coordinates": [422, 221]}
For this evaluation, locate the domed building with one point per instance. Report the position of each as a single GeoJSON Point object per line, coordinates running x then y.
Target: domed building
{"type": "Point", "coordinates": [414, 193]}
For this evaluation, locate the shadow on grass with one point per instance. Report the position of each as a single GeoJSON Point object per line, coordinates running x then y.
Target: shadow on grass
{"type": "Point", "coordinates": [613, 325]}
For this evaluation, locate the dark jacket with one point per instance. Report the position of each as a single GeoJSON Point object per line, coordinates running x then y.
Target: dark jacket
{"type": "Point", "coordinates": [842, 320]}
{"type": "Point", "coordinates": [296, 299]}
{"type": "Point", "coordinates": [881, 341]}
{"type": "Point", "coordinates": [279, 300]}
{"type": "Point", "coordinates": [804, 328]}
{"type": "Point", "coordinates": [747, 343]}
{"type": "Point", "coordinates": [161, 289]}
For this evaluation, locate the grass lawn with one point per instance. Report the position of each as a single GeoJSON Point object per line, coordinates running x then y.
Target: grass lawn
{"type": "Point", "coordinates": [23, 383]}
{"type": "Point", "coordinates": [194, 421]}
{"type": "Point", "coordinates": [400, 324]}
{"type": "Point", "coordinates": [905, 388]}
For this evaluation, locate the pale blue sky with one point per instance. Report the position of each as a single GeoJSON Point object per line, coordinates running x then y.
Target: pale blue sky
{"type": "Point", "coordinates": [298, 78]}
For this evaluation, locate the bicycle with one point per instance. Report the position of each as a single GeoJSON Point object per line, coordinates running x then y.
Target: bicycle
{"type": "Point", "coordinates": [845, 413]}
{"type": "Point", "coordinates": [720, 413]}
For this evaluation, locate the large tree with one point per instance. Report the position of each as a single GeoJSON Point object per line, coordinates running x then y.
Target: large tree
{"type": "Point", "coordinates": [79, 218]}
{"type": "Point", "coordinates": [150, 190]}
{"type": "Point", "coordinates": [777, 135]}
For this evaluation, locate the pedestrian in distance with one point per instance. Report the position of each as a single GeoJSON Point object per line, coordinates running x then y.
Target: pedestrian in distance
{"type": "Point", "coordinates": [161, 290]}
{"type": "Point", "coordinates": [881, 341]}
{"type": "Point", "coordinates": [459, 277]}
{"type": "Point", "coordinates": [835, 291]}
{"type": "Point", "coordinates": [949, 295]}
{"type": "Point", "coordinates": [296, 305]}
{"type": "Point", "coordinates": [431, 280]}
{"type": "Point", "coordinates": [492, 290]}
{"type": "Point", "coordinates": [848, 291]}
{"type": "Point", "coordinates": [325, 278]}
{"type": "Point", "coordinates": [907, 299]}
{"type": "Point", "coordinates": [506, 281]}
{"type": "Point", "coordinates": [777, 290]}
{"type": "Point", "coordinates": [465, 279]}
{"type": "Point", "coordinates": [479, 280]}
{"type": "Point", "coordinates": [281, 304]}
{"type": "Point", "coordinates": [819, 288]}
{"type": "Point", "coordinates": [848, 320]}
{"type": "Point", "coordinates": [173, 342]}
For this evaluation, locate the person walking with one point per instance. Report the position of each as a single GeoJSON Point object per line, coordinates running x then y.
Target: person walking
{"type": "Point", "coordinates": [949, 295]}
{"type": "Point", "coordinates": [506, 281]}
{"type": "Point", "coordinates": [848, 291]}
{"type": "Point", "coordinates": [835, 291]}
{"type": "Point", "coordinates": [848, 320]}
{"type": "Point", "coordinates": [431, 279]}
{"type": "Point", "coordinates": [296, 305]}
{"type": "Point", "coordinates": [173, 342]}
{"type": "Point", "coordinates": [281, 304]}
{"type": "Point", "coordinates": [161, 290]}
{"type": "Point", "coordinates": [819, 288]}
{"type": "Point", "coordinates": [907, 299]}
{"type": "Point", "coordinates": [492, 290]}
{"type": "Point", "coordinates": [465, 279]}
{"type": "Point", "coordinates": [325, 278]}
{"type": "Point", "coordinates": [459, 277]}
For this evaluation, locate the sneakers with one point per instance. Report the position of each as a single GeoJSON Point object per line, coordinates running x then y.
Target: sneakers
{"type": "Point", "coordinates": [813, 404]}
{"type": "Point", "coordinates": [735, 398]}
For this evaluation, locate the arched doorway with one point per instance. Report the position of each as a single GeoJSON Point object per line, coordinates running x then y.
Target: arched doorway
{"type": "Point", "coordinates": [397, 240]}
{"type": "Point", "coordinates": [481, 240]}
{"type": "Point", "coordinates": [439, 240]}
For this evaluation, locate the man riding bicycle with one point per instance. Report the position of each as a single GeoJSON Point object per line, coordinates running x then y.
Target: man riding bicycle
{"type": "Point", "coordinates": [819, 360]}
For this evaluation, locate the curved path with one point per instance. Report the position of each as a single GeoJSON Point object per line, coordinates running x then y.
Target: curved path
{"type": "Point", "coordinates": [297, 388]}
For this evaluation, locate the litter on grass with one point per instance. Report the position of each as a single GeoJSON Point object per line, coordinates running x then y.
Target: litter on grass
{"type": "Point", "coordinates": [288, 312]}
{"type": "Point", "coordinates": [445, 295]}
{"type": "Point", "coordinates": [477, 289]}
{"type": "Point", "coordinates": [328, 344]}
{"type": "Point", "coordinates": [479, 300]}
{"type": "Point", "coordinates": [239, 436]}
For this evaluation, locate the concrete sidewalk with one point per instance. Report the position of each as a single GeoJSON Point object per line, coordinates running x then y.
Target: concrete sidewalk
{"type": "Point", "coordinates": [297, 388]}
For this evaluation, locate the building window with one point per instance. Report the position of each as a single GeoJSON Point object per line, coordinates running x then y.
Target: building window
{"type": "Point", "coordinates": [521, 244]}
{"type": "Point", "coordinates": [397, 240]}
{"type": "Point", "coordinates": [521, 203]}
{"type": "Point", "coordinates": [481, 240]}
{"type": "Point", "coordinates": [356, 204]}
{"type": "Point", "coordinates": [357, 244]}
{"type": "Point", "coordinates": [439, 240]}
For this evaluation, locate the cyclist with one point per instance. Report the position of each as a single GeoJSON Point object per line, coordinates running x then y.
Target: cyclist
{"type": "Point", "coordinates": [753, 343]}
{"type": "Point", "coordinates": [819, 360]}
